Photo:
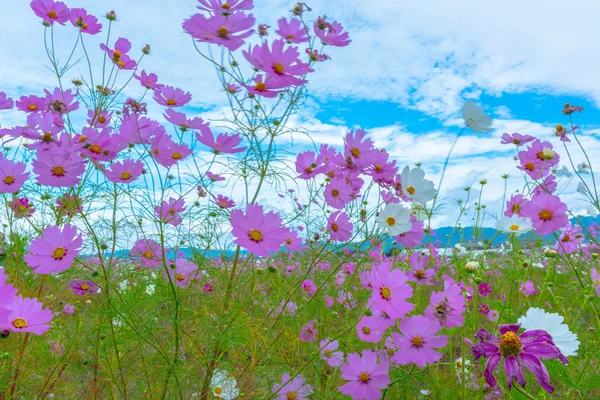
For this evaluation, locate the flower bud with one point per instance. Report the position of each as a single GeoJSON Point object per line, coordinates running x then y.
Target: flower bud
{"type": "Point", "coordinates": [472, 266]}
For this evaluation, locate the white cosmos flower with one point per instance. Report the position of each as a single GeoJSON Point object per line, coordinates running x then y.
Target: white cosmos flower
{"type": "Point", "coordinates": [395, 218]}
{"type": "Point", "coordinates": [514, 224]}
{"type": "Point", "coordinates": [592, 211]}
{"type": "Point", "coordinates": [415, 187]}
{"type": "Point", "coordinates": [475, 118]}
{"type": "Point", "coordinates": [563, 172]}
{"type": "Point", "coordinates": [581, 188]}
{"type": "Point", "coordinates": [563, 338]}
{"type": "Point", "coordinates": [583, 168]}
{"type": "Point", "coordinates": [223, 385]}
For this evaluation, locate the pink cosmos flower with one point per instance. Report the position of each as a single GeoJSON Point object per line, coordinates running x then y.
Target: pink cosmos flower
{"type": "Point", "coordinates": [68, 204]}
{"type": "Point", "coordinates": [69, 309]}
{"type": "Point", "coordinates": [58, 168]}
{"type": "Point", "coordinates": [484, 289]}
{"type": "Point", "coordinates": [515, 205]}
{"type": "Point", "coordinates": [80, 288]}
{"type": "Point", "coordinates": [265, 86]}
{"type": "Point", "coordinates": [99, 119]}
{"type": "Point", "coordinates": [118, 55]}
{"type": "Point", "coordinates": [370, 329]}
{"type": "Point", "coordinates": [419, 272]}
{"type": "Point", "coordinates": [7, 291]}
{"type": "Point", "coordinates": [281, 64]}
{"type": "Point", "coordinates": [417, 341]}
{"type": "Point", "coordinates": [41, 128]}
{"type": "Point", "coordinates": [447, 306]}
{"type": "Point", "coordinates": [296, 388]}
{"type": "Point", "coordinates": [225, 7]}
{"type": "Point", "coordinates": [547, 213]}
{"type": "Point", "coordinates": [390, 291]}
{"type": "Point", "coordinates": [548, 186]}
{"type": "Point", "coordinates": [292, 31]}
{"type": "Point", "coordinates": [223, 201]}
{"type": "Point", "coordinates": [528, 289]}
{"type": "Point", "coordinates": [331, 34]}
{"type": "Point", "coordinates": [307, 166]}
{"type": "Point", "coordinates": [224, 30]}
{"type": "Point", "coordinates": [149, 81]}
{"type": "Point", "coordinates": [257, 232]}
{"type": "Point", "coordinates": [537, 160]}
{"type": "Point", "coordinates": [570, 240]}
{"type": "Point", "coordinates": [148, 252]}
{"type": "Point", "coordinates": [568, 109]}
{"type": "Point", "coordinates": [6, 103]}
{"type": "Point", "coordinates": [183, 272]}
{"type": "Point", "coordinates": [166, 152]}
{"type": "Point", "coordinates": [214, 177]}
{"type": "Point", "coordinates": [51, 11]}
{"type": "Point", "coordinates": [100, 145]}
{"type": "Point", "coordinates": [125, 171]}
{"type": "Point", "coordinates": [414, 236]}
{"type": "Point", "coordinates": [366, 377]}
{"type": "Point", "coordinates": [60, 102]}
{"type": "Point", "coordinates": [517, 350]}
{"type": "Point", "coordinates": [308, 332]}
{"type": "Point", "coordinates": [338, 193]}
{"type": "Point", "coordinates": [182, 121]}
{"type": "Point", "coordinates": [328, 352]}
{"type": "Point", "coordinates": [27, 316]}
{"type": "Point", "coordinates": [169, 211]}
{"type": "Point", "coordinates": [358, 150]}
{"type": "Point", "coordinates": [516, 138]}
{"type": "Point", "coordinates": [170, 96]}
{"type": "Point", "coordinates": [224, 143]}
{"type": "Point", "coordinates": [12, 176]}
{"type": "Point", "coordinates": [22, 207]}
{"type": "Point", "coordinates": [85, 22]}
{"type": "Point", "coordinates": [292, 241]}
{"type": "Point", "coordinates": [31, 103]}
{"type": "Point", "coordinates": [55, 251]}
{"type": "Point", "coordinates": [339, 226]}
{"type": "Point", "coordinates": [309, 287]}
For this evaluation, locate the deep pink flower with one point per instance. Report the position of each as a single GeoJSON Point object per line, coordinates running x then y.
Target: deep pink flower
{"type": "Point", "coordinates": [367, 377]}
{"type": "Point", "coordinates": [22, 207]}
{"type": "Point", "coordinates": [309, 287]}
{"type": "Point", "coordinates": [281, 64]}
{"type": "Point", "coordinates": [390, 291]}
{"type": "Point", "coordinates": [308, 332]}
{"type": "Point", "coordinates": [225, 7]}
{"type": "Point", "coordinates": [31, 103]}
{"type": "Point", "coordinates": [183, 272]}
{"type": "Point", "coordinates": [359, 150]}
{"type": "Point", "coordinates": [517, 350]}
{"type": "Point", "coordinates": [370, 329]}
{"type": "Point", "coordinates": [27, 316]}
{"type": "Point", "coordinates": [169, 211]}
{"type": "Point", "coordinates": [338, 193]}
{"type": "Point", "coordinates": [516, 138]}
{"type": "Point", "coordinates": [51, 11]}
{"type": "Point", "coordinates": [149, 81]}
{"type": "Point", "coordinates": [85, 22]}
{"type": "Point", "coordinates": [447, 306]}
{"type": "Point", "coordinates": [538, 159]}
{"type": "Point", "coordinates": [228, 31]}
{"type": "Point", "coordinates": [289, 388]}
{"type": "Point", "coordinates": [99, 144]}
{"type": "Point", "coordinates": [12, 176]}
{"type": "Point", "coordinates": [6, 103]}
{"type": "Point", "coordinates": [331, 34]}
{"type": "Point", "coordinates": [257, 232]}
{"type": "Point", "coordinates": [484, 289]}
{"type": "Point", "coordinates": [292, 31]}
{"type": "Point", "coordinates": [547, 213]}
{"type": "Point", "coordinates": [515, 205]}
{"type": "Point", "coordinates": [267, 87]}
{"type": "Point", "coordinates": [182, 121]}
{"type": "Point", "coordinates": [80, 288]}
{"type": "Point", "coordinates": [570, 240]}
{"type": "Point", "coordinates": [125, 171]}
{"type": "Point", "coordinates": [223, 201]}
{"type": "Point", "coordinates": [528, 288]}
{"type": "Point", "coordinates": [166, 152]}
{"type": "Point", "coordinates": [339, 226]}
{"type": "Point", "coordinates": [417, 341]}
{"type": "Point", "coordinates": [99, 118]}
{"type": "Point", "coordinates": [58, 168]}
{"type": "Point", "coordinates": [118, 55]}
{"type": "Point", "coordinates": [214, 177]}
{"type": "Point", "coordinates": [148, 252]}
{"type": "Point", "coordinates": [328, 352]}
{"type": "Point", "coordinates": [170, 96]}
{"type": "Point", "coordinates": [307, 165]}
{"type": "Point", "coordinates": [414, 237]}
{"type": "Point", "coordinates": [224, 142]}
{"type": "Point", "coordinates": [419, 272]}
{"type": "Point", "coordinates": [55, 251]}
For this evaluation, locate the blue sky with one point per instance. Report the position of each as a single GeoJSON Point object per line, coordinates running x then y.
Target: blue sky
{"type": "Point", "coordinates": [404, 77]}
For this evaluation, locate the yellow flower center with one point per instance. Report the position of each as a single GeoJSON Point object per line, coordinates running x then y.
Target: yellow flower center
{"type": "Point", "coordinates": [565, 239]}
{"type": "Point", "coordinates": [420, 274]}
{"type": "Point", "coordinates": [19, 323]}
{"type": "Point", "coordinates": [335, 227]}
{"type": "Point", "coordinates": [516, 208]}
{"type": "Point", "coordinates": [225, 6]}
{"type": "Point", "coordinates": [84, 286]}
{"type": "Point", "coordinates": [290, 36]}
{"type": "Point", "coordinates": [116, 55]}
{"type": "Point", "coordinates": [32, 107]}
{"type": "Point", "coordinates": [255, 235]}
{"type": "Point", "coordinates": [101, 119]}
{"type": "Point", "coordinates": [171, 102]}
{"type": "Point", "coordinates": [218, 390]}
{"type": "Point", "coordinates": [291, 396]}
{"type": "Point", "coordinates": [261, 87]}
{"type": "Point", "coordinates": [378, 168]}
{"type": "Point", "coordinates": [366, 330]}
{"type": "Point", "coordinates": [510, 344]}
{"type": "Point", "coordinates": [59, 253]}
{"type": "Point", "coordinates": [180, 277]}
{"type": "Point", "coordinates": [417, 341]}
{"type": "Point", "coordinates": [327, 353]}
{"type": "Point", "coordinates": [176, 156]}
{"type": "Point", "coordinates": [52, 14]}
{"type": "Point", "coordinates": [223, 32]}
{"type": "Point", "coordinates": [9, 180]}
{"type": "Point", "coordinates": [514, 227]}
{"type": "Point", "coordinates": [147, 254]}
{"type": "Point", "coordinates": [355, 152]}
{"type": "Point", "coordinates": [278, 68]}
{"type": "Point", "coordinates": [364, 377]}
{"type": "Point", "coordinates": [385, 292]}
{"type": "Point", "coordinates": [82, 138]}
{"type": "Point", "coordinates": [288, 241]}
{"type": "Point", "coordinates": [58, 171]}
{"type": "Point", "coordinates": [95, 149]}
{"type": "Point", "coordinates": [126, 176]}
{"type": "Point", "coordinates": [335, 193]}
{"type": "Point", "coordinates": [546, 215]}
{"type": "Point", "coordinates": [529, 166]}
{"type": "Point", "coordinates": [390, 221]}
{"type": "Point", "coordinates": [411, 190]}
{"type": "Point", "coordinates": [47, 137]}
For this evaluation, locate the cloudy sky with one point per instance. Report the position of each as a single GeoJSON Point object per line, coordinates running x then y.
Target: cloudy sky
{"type": "Point", "coordinates": [404, 78]}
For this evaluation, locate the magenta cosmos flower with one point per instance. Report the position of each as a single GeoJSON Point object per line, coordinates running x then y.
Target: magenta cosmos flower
{"type": "Point", "coordinates": [58, 168]}
{"type": "Point", "coordinates": [22, 207]}
{"type": "Point", "coordinates": [338, 193]}
{"type": "Point", "coordinates": [166, 152]}
{"type": "Point", "coordinates": [170, 211]}
{"type": "Point", "coordinates": [149, 81]}
{"type": "Point", "coordinates": [27, 315]}
{"type": "Point", "coordinates": [517, 350]}
{"type": "Point", "coordinates": [447, 306]}
{"type": "Point", "coordinates": [51, 11]}
{"type": "Point", "coordinates": [390, 291]}
{"type": "Point", "coordinates": [222, 201]}
{"type": "Point", "coordinates": [80, 288]}
{"type": "Point", "coordinates": [224, 142]}
{"type": "Point", "coordinates": [85, 22]}
{"type": "Point", "coordinates": [292, 31]}
{"type": "Point", "coordinates": [367, 377]}
{"type": "Point", "coordinates": [125, 171]}
{"type": "Point", "coordinates": [55, 251]}
{"type": "Point", "coordinates": [183, 273]}
{"type": "Point", "coordinates": [339, 226]}
{"type": "Point", "coordinates": [31, 103]}
{"type": "Point", "coordinates": [296, 388]}
{"type": "Point", "coordinates": [417, 340]}
{"type": "Point", "coordinates": [547, 213]}
{"type": "Point", "coordinates": [182, 121]}
{"type": "Point", "coordinates": [570, 240]}
{"type": "Point", "coordinates": [61, 102]}
{"type": "Point", "coordinates": [12, 176]}
{"type": "Point", "coordinates": [516, 138]}
{"type": "Point", "coordinates": [257, 232]}
{"type": "Point", "coordinates": [118, 55]}
{"type": "Point", "coordinates": [6, 103]}
{"type": "Point", "coordinates": [328, 352]}
{"type": "Point", "coordinates": [308, 333]}
{"type": "Point", "coordinates": [419, 272]}
{"type": "Point", "coordinates": [359, 149]}
{"type": "Point", "coordinates": [148, 252]}
{"type": "Point", "coordinates": [331, 34]}
{"type": "Point", "coordinates": [228, 31]}
{"type": "Point", "coordinates": [307, 165]}
{"type": "Point", "coordinates": [281, 63]}
{"type": "Point", "coordinates": [265, 87]}
{"type": "Point", "coordinates": [171, 97]}
{"type": "Point", "coordinates": [225, 7]}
